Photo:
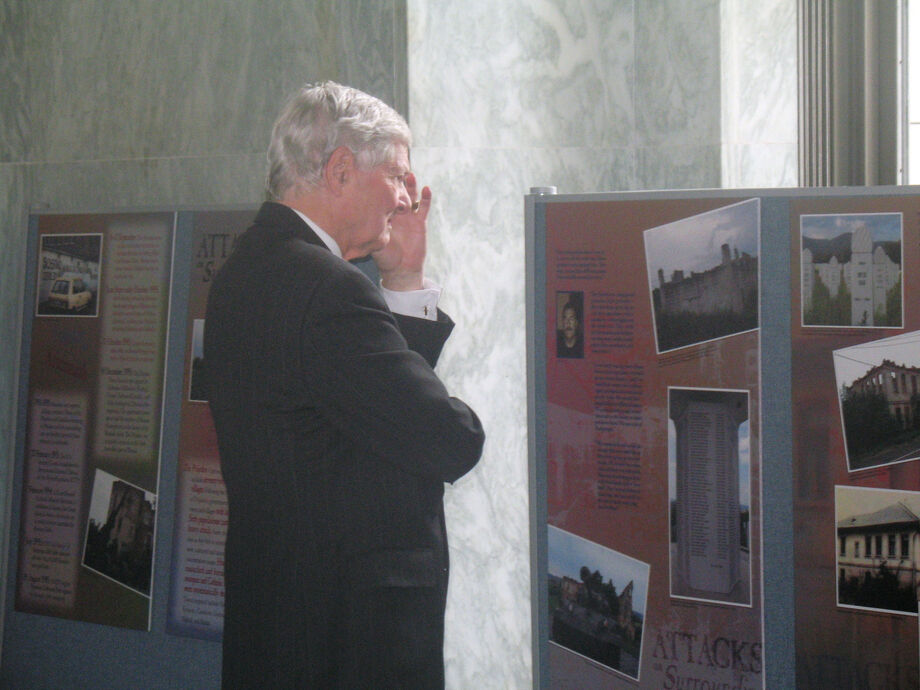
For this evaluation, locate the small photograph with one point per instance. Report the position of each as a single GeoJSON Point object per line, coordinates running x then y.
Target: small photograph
{"type": "Point", "coordinates": [570, 335]}
{"type": "Point", "coordinates": [196, 391]}
{"type": "Point", "coordinates": [597, 599]}
{"type": "Point", "coordinates": [68, 275]}
{"type": "Point", "coordinates": [120, 532]}
{"type": "Point", "coordinates": [709, 489]}
{"type": "Point", "coordinates": [703, 275]}
{"type": "Point", "coordinates": [878, 549]}
{"type": "Point", "coordinates": [878, 386]}
{"type": "Point", "coordinates": [851, 270]}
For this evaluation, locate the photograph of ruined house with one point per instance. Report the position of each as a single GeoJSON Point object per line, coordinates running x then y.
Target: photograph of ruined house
{"type": "Point", "coordinates": [878, 548]}
{"type": "Point", "coordinates": [120, 534]}
{"type": "Point", "coordinates": [851, 270]}
{"type": "Point", "coordinates": [878, 385]}
{"type": "Point", "coordinates": [597, 600]}
{"type": "Point", "coordinates": [703, 275]}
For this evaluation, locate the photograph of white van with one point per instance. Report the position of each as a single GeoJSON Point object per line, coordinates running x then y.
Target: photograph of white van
{"type": "Point", "coordinates": [70, 293]}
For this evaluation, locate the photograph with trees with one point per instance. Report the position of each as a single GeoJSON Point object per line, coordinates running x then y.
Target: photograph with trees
{"type": "Point", "coordinates": [878, 385]}
{"type": "Point", "coordinates": [851, 270]}
{"type": "Point", "coordinates": [597, 599]}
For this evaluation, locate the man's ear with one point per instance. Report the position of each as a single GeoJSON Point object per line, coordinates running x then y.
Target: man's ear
{"type": "Point", "coordinates": [339, 169]}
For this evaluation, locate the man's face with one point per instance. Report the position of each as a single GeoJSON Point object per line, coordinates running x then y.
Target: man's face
{"type": "Point", "coordinates": [379, 194]}
{"type": "Point", "coordinates": [569, 323]}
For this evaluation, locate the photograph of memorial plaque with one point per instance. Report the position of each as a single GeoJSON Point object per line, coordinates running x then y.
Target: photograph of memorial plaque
{"type": "Point", "coordinates": [851, 270]}
{"type": "Point", "coordinates": [878, 549]}
{"type": "Point", "coordinates": [709, 489]}
{"type": "Point", "coordinates": [68, 275]}
{"type": "Point", "coordinates": [597, 600]}
{"type": "Point", "coordinates": [120, 532]}
{"type": "Point", "coordinates": [878, 388]}
{"type": "Point", "coordinates": [703, 275]}
{"type": "Point", "coordinates": [196, 366]}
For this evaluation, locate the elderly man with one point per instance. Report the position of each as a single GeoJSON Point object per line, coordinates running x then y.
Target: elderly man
{"type": "Point", "coordinates": [335, 435]}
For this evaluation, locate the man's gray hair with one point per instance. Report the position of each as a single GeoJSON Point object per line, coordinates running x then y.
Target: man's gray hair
{"type": "Point", "coordinates": [318, 119]}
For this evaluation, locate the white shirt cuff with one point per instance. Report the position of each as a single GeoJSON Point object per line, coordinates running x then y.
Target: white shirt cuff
{"type": "Point", "coordinates": [422, 304]}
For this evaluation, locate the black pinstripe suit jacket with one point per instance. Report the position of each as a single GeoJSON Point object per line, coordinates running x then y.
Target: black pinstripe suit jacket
{"type": "Point", "coordinates": [335, 438]}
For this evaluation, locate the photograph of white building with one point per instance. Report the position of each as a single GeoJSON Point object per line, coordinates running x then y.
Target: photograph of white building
{"type": "Point", "coordinates": [878, 547]}
{"type": "Point", "coordinates": [851, 270]}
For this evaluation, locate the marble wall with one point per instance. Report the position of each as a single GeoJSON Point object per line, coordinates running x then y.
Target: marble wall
{"type": "Point", "coordinates": [759, 94]}
{"type": "Point", "coordinates": [108, 105]}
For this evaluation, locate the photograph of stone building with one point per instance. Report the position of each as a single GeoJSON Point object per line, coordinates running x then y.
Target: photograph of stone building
{"type": "Point", "coordinates": [120, 532]}
{"type": "Point", "coordinates": [703, 275]}
{"type": "Point", "coordinates": [851, 270]}
{"type": "Point", "coordinates": [878, 549]}
{"type": "Point", "coordinates": [879, 392]}
{"type": "Point", "coordinates": [597, 600]}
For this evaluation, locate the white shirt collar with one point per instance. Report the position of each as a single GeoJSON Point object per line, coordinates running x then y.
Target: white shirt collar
{"type": "Point", "coordinates": [322, 234]}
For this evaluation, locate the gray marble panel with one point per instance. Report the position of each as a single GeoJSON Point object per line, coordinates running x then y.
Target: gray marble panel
{"type": "Point", "coordinates": [679, 167]}
{"type": "Point", "coordinates": [521, 74]}
{"type": "Point", "coordinates": [13, 234]}
{"type": "Point", "coordinates": [759, 78]}
{"type": "Point", "coordinates": [14, 123]}
{"type": "Point", "coordinates": [759, 94]}
{"type": "Point", "coordinates": [166, 182]}
{"type": "Point", "coordinates": [760, 165]}
{"type": "Point", "coordinates": [475, 254]}
{"type": "Point", "coordinates": [12, 265]}
{"type": "Point", "coordinates": [134, 80]}
{"type": "Point", "coordinates": [677, 72]}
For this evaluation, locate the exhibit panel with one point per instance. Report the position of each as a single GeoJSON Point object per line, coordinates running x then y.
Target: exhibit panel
{"type": "Point", "coordinates": [668, 498]}
{"type": "Point", "coordinates": [651, 471]}
{"type": "Point", "coordinates": [118, 504]}
{"type": "Point", "coordinates": [196, 591]}
{"type": "Point", "coordinates": [93, 416]}
{"type": "Point", "coordinates": [856, 432]}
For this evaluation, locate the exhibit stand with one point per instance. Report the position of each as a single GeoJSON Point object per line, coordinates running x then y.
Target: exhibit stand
{"type": "Point", "coordinates": [724, 407]}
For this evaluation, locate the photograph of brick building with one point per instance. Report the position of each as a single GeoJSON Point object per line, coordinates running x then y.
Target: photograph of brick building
{"type": "Point", "coordinates": [879, 392]}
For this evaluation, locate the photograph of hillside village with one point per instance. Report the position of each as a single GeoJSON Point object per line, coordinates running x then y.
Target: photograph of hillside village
{"type": "Point", "coordinates": [878, 384]}
{"type": "Point", "coordinates": [703, 275]}
{"type": "Point", "coordinates": [597, 599]}
{"type": "Point", "coordinates": [851, 270]}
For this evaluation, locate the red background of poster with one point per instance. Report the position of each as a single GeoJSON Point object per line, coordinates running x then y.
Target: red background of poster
{"type": "Point", "coordinates": [676, 630]}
